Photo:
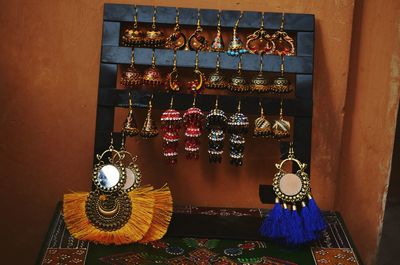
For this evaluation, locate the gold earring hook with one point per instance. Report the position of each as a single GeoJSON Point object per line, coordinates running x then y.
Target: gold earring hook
{"type": "Point", "coordinates": [282, 65]}
{"type": "Point", "coordinates": [262, 20]}
{"type": "Point", "coordinates": [197, 61]}
{"type": "Point", "coordinates": [153, 59]}
{"type": "Point", "coordinates": [135, 18]}
{"type": "Point", "coordinates": [198, 18]}
{"type": "Point", "coordinates": [240, 64]}
{"type": "Point", "coordinates": [219, 20]}
{"type": "Point", "coordinates": [122, 141]}
{"type": "Point", "coordinates": [194, 99]}
{"type": "Point", "coordinates": [282, 20]}
{"type": "Point", "coordinates": [153, 26]}
{"type": "Point", "coordinates": [130, 100]}
{"type": "Point", "coordinates": [111, 147]}
{"type": "Point", "coordinates": [291, 150]}
{"type": "Point", "coordinates": [133, 57]}
{"type": "Point", "coordinates": [218, 64]}
{"type": "Point", "coordinates": [239, 105]}
{"type": "Point", "coordinates": [281, 110]}
{"type": "Point", "coordinates": [261, 63]}
{"type": "Point", "coordinates": [261, 107]}
{"type": "Point", "coordinates": [216, 102]}
{"type": "Point", "coordinates": [177, 17]}
{"type": "Point", "coordinates": [174, 63]}
{"type": "Point", "coordinates": [171, 103]}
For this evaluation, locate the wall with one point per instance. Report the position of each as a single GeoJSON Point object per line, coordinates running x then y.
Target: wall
{"type": "Point", "coordinates": [49, 73]}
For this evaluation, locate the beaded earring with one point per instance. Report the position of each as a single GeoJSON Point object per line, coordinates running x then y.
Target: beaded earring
{"type": "Point", "coordinates": [216, 79]}
{"type": "Point", "coordinates": [149, 129]}
{"type": "Point", "coordinates": [284, 44]}
{"type": "Point", "coordinates": [198, 83]}
{"type": "Point", "coordinates": [130, 128]}
{"type": "Point", "coordinates": [152, 75]}
{"type": "Point", "coordinates": [193, 122]}
{"type": "Point", "coordinates": [197, 42]}
{"type": "Point", "coordinates": [216, 124]}
{"type": "Point", "coordinates": [236, 46]}
{"type": "Point", "coordinates": [218, 43]}
{"type": "Point", "coordinates": [281, 84]}
{"type": "Point", "coordinates": [238, 125]}
{"type": "Point", "coordinates": [170, 125]}
{"type": "Point", "coordinates": [259, 82]}
{"type": "Point", "coordinates": [172, 83]}
{"type": "Point", "coordinates": [262, 127]}
{"type": "Point", "coordinates": [133, 36]}
{"type": "Point", "coordinates": [281, 127]}
{"type": "Point", "coordinates": [177, 40]}
{"type": "Point", "coordinates": [260, 41]}
{"type": "Point", "coordinates": [131, 77]}
{"type": "Point", "coordinates": [238, 81]}
{"type": "Point", "coordinates": [154, 37]}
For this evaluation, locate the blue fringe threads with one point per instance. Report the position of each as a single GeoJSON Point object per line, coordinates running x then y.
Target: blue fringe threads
{"type": "Point", "coordinates": [285, 222]}
{"type": "Point", "coordinates": [316, 217]}
{"type": "Point", "coordinates": [296, 235]}
{"type": "Point", "coordinates": [271, 226]}
{"type": "Point", "coordinates": [309, 228]}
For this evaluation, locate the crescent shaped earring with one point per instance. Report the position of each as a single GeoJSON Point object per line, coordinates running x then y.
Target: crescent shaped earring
{"type": "Point", "coordinates": [198, 83]}
{"type": "Point", "coordinates": [177, 40]}
{"type": "Point", "coordinates": [197, 42]}
{"type": "Point", "coordinates": [172, 83]}
{"type": "Point", "coordinates": [133, 36]}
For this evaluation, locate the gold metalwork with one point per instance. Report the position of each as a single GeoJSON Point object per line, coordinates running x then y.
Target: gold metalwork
{"type": "Point", "coordinates": [259, 83]}
{"type": "Point", "coordinates": [198, 82]}
{"type": "Point", "coordinates": [197, 42]}
{"type": "Point", "coordinates": [149, 129]}
{"type": "Point", "coordinates": [238, 81]}
{"type": "Point", "coordinates": [131, 77]}
{"type": "Point", "coordinates": [152, 75]}
{"type": "Point", "coordinates": [177, 40]}
{"type": "Point", "coordinates": [281, 84]}
{"type": "Point", "coordinates": [284, 44]}
{"type": "Point", "coordinates": [172, 82]}
{"type": "Point", "coordinates": [217, 79]}
{"type": "Point", "coordinates": [133, 36]}
{"type": "Point", "coordinates": [154, 37]}
{"type": "Point", "coordinates": [218, 43]}
{"type": "Point", "coordinates": [260, 41]}
{"type": "Point", "coordinates": [130, 127]}
{"type": "Point", "coordinates": [281, 127]}
{"type": "Point", "coordinates": [262, 127]}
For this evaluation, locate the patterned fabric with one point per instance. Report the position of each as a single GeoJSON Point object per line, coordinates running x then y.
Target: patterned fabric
{"type": "Point", "coordinates": [342, 256]}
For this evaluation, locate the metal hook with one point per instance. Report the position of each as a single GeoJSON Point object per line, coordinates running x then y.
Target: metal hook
{"type": "Point", "coordinates": [153, 58]}
{"type": "Point", "coordinates": [282, 65]}
{"type": "Point", "coordinates": [282, 20]}
{"type": "Point", "coordinates": [154, 18]}
{"type": "Point", "coordinates": [171, 103]}
{"type": "Point", "coordinates": [130, 100]}
{"type": "Point", "coordinates": [194, 99]}
{"type": "Point", "coordinates": [135, 18]}
{"type": "Point", "coordinates": [239, 105]}
{"type": "Point", "coordinates": [261, 62]}
{"type": "Point", "coordinates": [133, 56]}
{"type": "Point", "coordinates": [261, 107]}
{"type": "Point", "coordinates": [216, 102]}
{"type": "Point", "coordinates": [262, 20]}
{"type": "Point", "coordinates": [177, 17]}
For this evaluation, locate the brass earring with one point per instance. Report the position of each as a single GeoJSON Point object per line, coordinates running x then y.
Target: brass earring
{"type": "Point", "coordinates": [262, 127]}
{"type": "Point", "coordinates": [172, 83]}
{"type": "Point", "coordinates": [149, 129]}
{"type": "Point", "coordinates": [132, 172]}
{"type": "Point", "coordinates": [238, 81]}
{"type": "Point", "coordinates": [259, 83]}
{"type": "Point", "coordinates": [152, 75]}
{"type": "Point", "coordinates": [281, 127]}
{"type": "Point", "coordinates": [284, 44]}
{"type": "Point", "coordinates": [154, 37]}
{"type": "Point", "coordinates": [218, 43]}
{"type": "Point", "coordinates": [131, 77]}
{"type": "Point", "coordinates": [130, 127]}
{"type": "Point", "coordinates": [236, 46]}
{"type": "Point", "coordinates": [217, 79]}
{"type": "Point", "coordinates": [133, 36]}
{"type": "Point", "coordinates": [260, 41]}
{"type": "Point", "coordinates": [197, 42]}
{"type": "Point", "coordinates": [238, 125]}
{"type": "Point", "coordinates": [281, 84]}
{"type": "Point", "coordinates": [177, 40]}
{"type": "Point", "coordinates": [216, 124]}
{"type": "Point", "coordinates": [198, 83]}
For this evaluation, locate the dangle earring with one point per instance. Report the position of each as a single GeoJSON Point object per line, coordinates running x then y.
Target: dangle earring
{"type": "Point", "coordinates": [154, 37]}
{"type": "Point", "coordinates": [218, 43]}
{"type": "Point", "coordinates": [149, 129]}
{"type": "Point", "coordinates": [259, 83]}
{"type": "Point", "coordinates": [131, 77]}
{"type": "Point", "coordinates": [295, 218]}
{"type": "Point", "coordinates": [172, 83]}
{"type": "Point", "coordinates": [177, 40]}
{"type": "Point", "coordinates": [281, 84]}
{"type": "Point", "coordinates": [260, 41]}
{"type": "Point", "coordinates": [238, 81]}
{"type": "Point", "coordinates": [133, 36]}
{"type": "Point", "coordinates": [130, 128]}
{"type": "Point", "coordinates": [152, 75]}
{"type": "Point", "coordinates": [193, 122]}
{"type": "Point", "coordinates": [284, 44]}
{"type": "Point", "coordinates": [197, 84]}
{"type": "Point", "coordinates": [281, 127]}
{"type": "Point", "coordinates": [262, 127]}
{"type": "Point", "coordinates": [216, 124]}
{"type": "Point", "coordinates": [217, 79]}
{"type": "Point", "coordinates": [170, 125]}
{"type": "Point", "coordinates": [236, 46]}
{"type": "Point", "coordinates": [238, 125]}
{"type": "Point", "coordinates": [132, 172]}
{"type": "Point", "coordinates": [197, 42]}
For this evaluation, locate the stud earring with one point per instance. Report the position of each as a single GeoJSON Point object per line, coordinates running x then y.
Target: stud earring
{"type": "Point", "coordinates": [238, 125]}
{"type": "Point", "coordinates": [131, 77]}
{"type": "Point", "coordinates": [152, 75]}
{"type": "Point", "coordinates": [149, 129]}
{"type": "Point", "coordinates": [238, 81]}
{"type": "Point", "coordinates": [284, 44]}
{"type": "Point", "coordinates": [236, 46]}
{"type": "Point", "coordinates": [133, 36]}
{"type": "Point", "coordinates": [217, 79]}
{"type": "Point", "coordinates": [172, 83]}
{"type": "Point", "coordinates": [130, 128]}
{"type": "Point", "coordinates": [218, 43]}
{"type": "Point", "coordinates": [281, 127]}
{"type": "Point", "coordinates": [281, 84]}
{"type": "Point", "coordinates": [259, 83]}
{"type": "Point", "coordinates": [197, 42]}
{"type": "Point", "coordinates": [260, 41]}
{"type": "Point", "coordinates": [198, 83]}
{"type": "Point", "coordinates": [177, 40]}
{"type": "Point", "coordinates": [216, 124]}
{"type": "Point", "coordinates": [170, 126]}
{"type": "Point", "coordinates": [193, 122]}
{"type": "Point", "coordinates": [262, 127]}
{"type": "Point", "coordinates": [154, 37]}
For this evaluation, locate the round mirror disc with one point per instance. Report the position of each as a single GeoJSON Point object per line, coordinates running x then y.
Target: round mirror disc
{"type": "Point", "coordinates": [290, 184]}
{"type": "Point", "coordinates": [130, 178]}
{"type": "Point", "coordinates": [108, 176]}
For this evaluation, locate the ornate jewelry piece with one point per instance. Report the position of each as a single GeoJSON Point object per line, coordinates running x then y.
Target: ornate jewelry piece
{"type": "Point", "coordinates": [197, 42]}
{"type": "Point", "coordinates": [149, 129]}
{"type": "Point", "coordinates": [133, 36]}
{"type": "Point", "coordinates": [284, 45]}
{"type": "Point", "coordinates": [259, 83]}
{"type": "Point", "coordinates": [260, 42]}
{"type": "Point", "coordinates": [132, 172]}
{"type": "Point", "coordinates": [281, 127]}
{"type": "Point", "coordinates": [152, 75]}
{"type": "Point", "coordinates": [130, 128]}
{"type": "Point", "coordinates": [236, 46]}
{"type": "Point", "coordinates": [197, 84]}
{"type": "Point", "coordinates": [177, 39]}
{"type": "Point", "coordinates": [154, 37]}
{"type": "Point", "coordinates": [170, 125]}
{"type": "Point", "coordinates": [172, 83]}
{"type": "Point", "coordinates": [217, 79]}
{"type": "Point", "coordinates": [238, 125]}
{"type": "Point", "coordinates": [218, 43]}
{"type": "Point", "coordinates": [293, 189]}
{"type": "Point", "coordinates": [193, 122]}
{"type": "Point", "coordinates": [262, 127]}
{"type": "Point", "coordinates": [131, 77]}
{"type": "Point", "coordinates": [238, 81]}
{"type": "Point", "coordinates": [216, 124]}
{"type": "Point", "coordinates": [281, 84]}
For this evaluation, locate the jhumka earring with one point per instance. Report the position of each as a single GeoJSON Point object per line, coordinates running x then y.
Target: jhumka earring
{"type": "Point", "coordinates": [177, 40]}
{"type": "Point", "coordinates": [172, 83]}
{"type": "Point", "coordinates": [152, 75]}
{"type": "Point", "coordinates": [259, 83]}
{"type": "Point", "coordinates": [197, 42]}
{"type": "Point", "coordinates": [262, 127]}
{"type": "Point", "coordinates": [238, 81]}
{"type": "Point", "coordinates": [236, 46]}
{"type": "Point", "coordinates": [131, 77]}
{"type": "Point", "coordinates": [281, 127]}
{"type": "Point", "coordinates": [149, 129]}
{"type": "Point", "coordinates": [130, 128]}
{"type": "Point", "coordinates": [238, 125]}
{"type": "Point", "coordinates": [260, 42]}
{"type": "Point", "coordinates": [170, 124]}
{"type": "Point", "coordinates": [281, 84]}
{"type": "Point", "coordinates": [193, 122]}
{"type": "Point", "coordinates": [198, 83]}
{"type": "Point", "coordinates": [133, 36]}
{"type": "Point", "coordinates": [284, 44]}
{"type": "Point", "coordinates": [218, 43]}
{"type": "Point", "coordinates": [217, 79]}
{"type": "Point", "coordinates": [295, 218]}
{"type": "Point", "coordinates": [216, 124]}
{"type": "Point", "coordinates": [154, 37]}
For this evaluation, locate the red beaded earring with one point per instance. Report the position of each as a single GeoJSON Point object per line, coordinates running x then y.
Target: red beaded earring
{"type": "Point", "coordinates": [193, 121]}
{"type": "Point", "coordinates": [170, 125]}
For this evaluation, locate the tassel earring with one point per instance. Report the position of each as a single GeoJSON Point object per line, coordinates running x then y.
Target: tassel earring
{"type": "Point", "coordinates": [170, 125]}
{"type": "Point", "coordinates": [133, 36]}
{"type": "Point", "coordinates": [149, 129]}
{"type": "Point", "coordinates": [193, 122]}
{"type": "Point", "coordinates": [130, 128]}
{"type": "Point", "coordinates": [217, 79]}
{"type": "Point", "coordinates": [218, 43]}
{"type": "Point", "coordinates": [260, 41]}
{"type": "Point", "coordinates": [154, 37]}
{"type": "Point", "coordinates": [238, 81]}
{"type": "Point", "coordinates": [177, 39]}
{"type": "Point", "coordinates": [172, 83]}
{"type": "Point", "coordinates": [198, 83]}
{"type": "Point", "coordinates": [284, 44]}
{"type": "Point", "coordinates": [197, 42]}
{"type": "Point", "coordinates": [236, 46]}
{"type": "Point", "coordinates": [152, 75]}
{"type": "Point", "coordinates": [262, 127]}
{"type": "Point", "coordinates": [238, 125]}
{"type": "Point", "coordinates": [259, 83]}
{"type": "Point", "coordinates": [131, 77]}
{"type": "Point", "coordinates": [281, 85]}
{"type": "Point", "coordinates": [281, 127]}
{"type": "Point", "coordinates": [216, 122]}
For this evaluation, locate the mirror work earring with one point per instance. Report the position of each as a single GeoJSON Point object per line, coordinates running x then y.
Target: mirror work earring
{"type": "Point", "coordinates": [172, 83]}
{"type": "Point", "coordinates": [131, 77]}
{"type": "Point", "coordinates": [132, 172]}
{"type": "Point", "coordinates": [262, 127]}
{"type": "Point", "coordinates": [193, 122]}
{"type": "Point", "coordinates": [152, 75]}
{"type": "Point", "coordinates": [198, 83]}
{"type": "Point", "coordinates": [154, 37]}
{"type": "Point", "coordinates": [236, 46]}
{"type": "Point", "coordinates": [260, 42]}
{"type": "Point", "coordinates": [170, 125]}
{"type": "Point", "coordinates": [197, 42]}
{"type": "Point", "coordinates": [238, 125]}
{"type": "Point", "coordinates": [218, 43]}
{"type": "Point", "coordinates": [133, 36]}
{"type": "Point", "coordinates": [149, 129]}
{"type": "Point", "coordinates": [217, 79]}
{"type": "Point", "coordinates": [130, 128]}
{"type": "Point", "coordinates": [259, 83]}
{"type": "Point", "coordinates": [177, 40]}
{"type": "Point", "coordinates": [238, 81]}
{"type": "Point", "coordinates": [216, 122]}
{"type": "Point", "coordinates": [281, 84]}
{"type": "Point", "coordinates": [281, 127]}
{"type": "Point", "coordinates": [295, 218]}
{"type": "Point", "coordinates": [284, 44]}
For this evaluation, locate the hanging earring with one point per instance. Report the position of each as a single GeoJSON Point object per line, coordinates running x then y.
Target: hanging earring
{"type": "Point", "coordinates": [236, 46]}
{"type": "Point", "coordinates": [293, 189]}
{"type": "Point", "coordinates": [130, 128]}
{"type": "Point", "coordinates": [193, 122]}
{"type": "Point", "coordinates": [154, 37]}
{"type": "Point", "coordinates": [260, 41]}
{"type": "Point", "coordinates": [152, 75]}
{"type": "Point", "coordinates": [218, 43]}
{"type": "Point", "coordinates": [149, 129]}
{"type": "Point", "coordinates": [262, 127]}
{"type": "Point", "coordinates": [133, 36]}
{"type": "Point", "coordinates": [197, 84]}
{"type": "Point", "coordinates": [131, 77]}
{"type": "Point", "coordinates": [177, 39]}
{"type": "Point", "coordinates": [172, 83]}
{"type": "Point", "coordinates": [197, 42]}
{"type": "Point", "coordinates": [259, 83]}
{"type": "Point", "coordinates": [216, 124]}
{"type": "Point", "coordinates": [281, 84]}
{"type": "Point", "coordinates": [281, 127]}
{"type": "Point", "coordinates": [238, 81]}
{"type": "Point", "coordinates": [217, 80]}
{"type": "Point", "coordinates": [170, 125]}
{"type": "Point", "coordinates": [284, 44]}
{"type": "Point", "coordinates": [238, 125]}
